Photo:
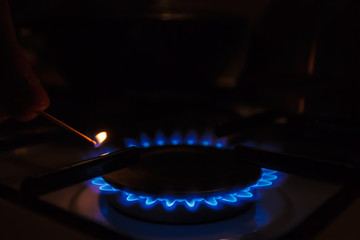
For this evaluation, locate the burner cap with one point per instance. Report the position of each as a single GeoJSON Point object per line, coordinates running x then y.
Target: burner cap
{"type": "Point", "coordinates": [183, 170]}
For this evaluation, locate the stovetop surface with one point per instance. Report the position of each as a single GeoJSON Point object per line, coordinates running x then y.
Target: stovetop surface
{"type": "Point", "coordinates": [286, 206]}
{"type": "Point", "coordinates": [278, 212]}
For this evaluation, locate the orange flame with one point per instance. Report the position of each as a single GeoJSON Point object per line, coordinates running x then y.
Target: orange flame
{"type": "Point", "coordinates": [100, 138]}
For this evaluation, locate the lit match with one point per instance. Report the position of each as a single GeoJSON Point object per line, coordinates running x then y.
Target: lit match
{"type": "Point", "coordinates": [100, 137]}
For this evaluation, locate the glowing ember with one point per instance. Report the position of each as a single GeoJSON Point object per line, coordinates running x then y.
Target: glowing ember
{"type": "Point", "coordinates": [100, 138]}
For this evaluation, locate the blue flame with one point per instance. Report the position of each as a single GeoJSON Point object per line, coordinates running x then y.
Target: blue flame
{"type": "Point", "coordinates": [191, 202]}
{"type": "Point", "coordinates": [160, 139]}
{"type": "Point", "coordinates": [145, 141]}
{"type": "Point", "coordinates": [176, 138]}
{"type": "Point", "coordinates": [207, 139]}
{"type": "Point", "coordinates": [191, 138]}
{"type": "Point", "coordinates": [131, 143]}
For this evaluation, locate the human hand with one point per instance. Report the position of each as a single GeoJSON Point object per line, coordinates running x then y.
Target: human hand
{"type": "Point", "coordinates": [21, 94]}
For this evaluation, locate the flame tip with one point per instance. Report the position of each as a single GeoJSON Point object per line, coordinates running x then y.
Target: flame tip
{"type": "Point", "coordinates": [100, 138]}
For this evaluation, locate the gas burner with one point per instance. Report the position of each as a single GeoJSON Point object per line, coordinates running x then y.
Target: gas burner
{"type": "Point", "coordinates": [184, 180]}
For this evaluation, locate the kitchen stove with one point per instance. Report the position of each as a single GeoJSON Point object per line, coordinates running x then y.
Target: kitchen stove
{"type": "Point", "coordinates": [269, 206]}
{"type": "Point", "coordinates": [283, 206]}
{"type": "Point", "coordinates": [281, 86]}
{"type": "Point", "coordinates": [181, 181]}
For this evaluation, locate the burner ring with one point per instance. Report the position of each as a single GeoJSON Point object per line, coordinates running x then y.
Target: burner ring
{"type": "Point", "coordinates": [178, 215]}
{"type": "Point", "coordinates": [184, 170]}
{"type": "Point", "coordinates": [236, 197]}
{"type": "Point", "coordinates": [200, 181]}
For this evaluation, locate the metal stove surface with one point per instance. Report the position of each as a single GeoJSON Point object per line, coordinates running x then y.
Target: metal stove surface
{"type": "Point", "coordinates": [278, 211]}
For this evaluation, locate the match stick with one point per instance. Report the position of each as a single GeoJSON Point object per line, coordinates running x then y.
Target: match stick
{"type": "Point", "coordinates": [67, 127]}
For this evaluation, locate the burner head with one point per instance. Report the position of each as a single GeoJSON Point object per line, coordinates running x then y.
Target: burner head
{"type": "Point", "coordinates": [192, 182]}
{"type": "Point", "coordinates": [184, 179]}
{"type": "Point", "coordinates": [184, 170]}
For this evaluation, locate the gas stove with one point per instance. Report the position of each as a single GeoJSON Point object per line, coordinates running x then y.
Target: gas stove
{"type": "Point", "coordinates": [226, 120]}
{"type": "Point", "coordinates": [186, 185]}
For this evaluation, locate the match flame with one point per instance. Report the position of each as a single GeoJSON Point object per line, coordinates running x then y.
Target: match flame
{"type": "Point", "coordinates": [100, 138]}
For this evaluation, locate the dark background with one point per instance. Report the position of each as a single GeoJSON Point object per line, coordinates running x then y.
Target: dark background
{"type": "Point", "coordinates": [143, 63]}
